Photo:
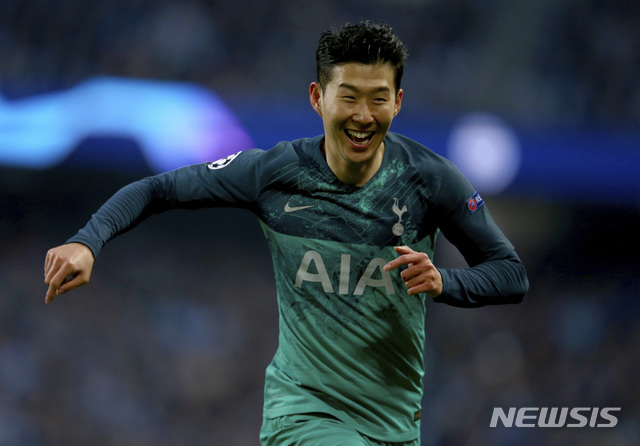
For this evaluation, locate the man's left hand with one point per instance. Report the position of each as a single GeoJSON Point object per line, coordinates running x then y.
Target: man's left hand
{"type": "Point", "coordinates": [420, 276]}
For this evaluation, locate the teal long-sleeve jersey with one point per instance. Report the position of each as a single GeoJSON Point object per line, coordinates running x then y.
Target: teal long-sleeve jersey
{"type": "Point", "coordinates": [351, 340]}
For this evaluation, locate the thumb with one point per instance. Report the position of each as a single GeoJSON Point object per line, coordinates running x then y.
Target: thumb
{"type": "Point", "coordinates": [72, 281]}
{"type": "Point", "coordinates": [69, 283]}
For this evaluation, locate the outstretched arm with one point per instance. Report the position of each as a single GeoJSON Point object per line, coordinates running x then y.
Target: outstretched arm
{"type": "Point", "coordinates": [191, 187]}
{"type": "Point", "coordinates": [69, 266]}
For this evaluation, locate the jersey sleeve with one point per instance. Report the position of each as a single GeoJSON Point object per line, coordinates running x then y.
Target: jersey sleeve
{"type": "Point", "coordinates": [234, 181]}
{"type": "Point", "coordinates": [495, 275]}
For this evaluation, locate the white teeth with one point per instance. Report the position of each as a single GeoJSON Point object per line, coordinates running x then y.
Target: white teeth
{"type": "Point", "coordinates": [359, 135]}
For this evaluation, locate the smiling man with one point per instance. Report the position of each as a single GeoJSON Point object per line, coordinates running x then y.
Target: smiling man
{"type": "Point", "coordinates": [351, 218]}
{"type": "Point", "coordinates": [357, 107]}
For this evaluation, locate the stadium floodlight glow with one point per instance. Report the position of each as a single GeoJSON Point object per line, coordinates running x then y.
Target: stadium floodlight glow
{"type": "Point", "coordinates": [486, 151]}
{"type": "Point", "coordinates": [174, 124]}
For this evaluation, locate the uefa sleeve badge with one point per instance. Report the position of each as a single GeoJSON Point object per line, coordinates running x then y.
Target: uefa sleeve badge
{"type": "Point", "coordinates": [475, 202]}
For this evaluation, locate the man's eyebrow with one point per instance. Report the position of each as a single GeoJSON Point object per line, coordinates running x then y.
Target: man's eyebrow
{"type": "Point", "coordinates": [382, 89]}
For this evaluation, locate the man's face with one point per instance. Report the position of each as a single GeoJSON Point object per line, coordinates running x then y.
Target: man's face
{"type": "Point", "coordinates": [357, 107]}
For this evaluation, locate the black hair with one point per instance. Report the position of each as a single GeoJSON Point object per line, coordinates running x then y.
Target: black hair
{"type": "Point", "coordinates": [367, 42]}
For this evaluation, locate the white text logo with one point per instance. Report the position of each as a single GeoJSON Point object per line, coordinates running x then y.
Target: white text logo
{"type": "Point", "coordinates": [374, 268]}
{"type": "Point", "coordinates": [555, 417]}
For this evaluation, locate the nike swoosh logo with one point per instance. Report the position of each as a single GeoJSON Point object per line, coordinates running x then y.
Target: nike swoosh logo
{"type": "Point", "coordinates": [288, 208]}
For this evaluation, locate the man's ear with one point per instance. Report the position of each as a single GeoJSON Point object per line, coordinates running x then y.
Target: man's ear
{"type": "Point", "coordinates": [315, 97]}
{"type": "Point", "coordinates": [398, 103]}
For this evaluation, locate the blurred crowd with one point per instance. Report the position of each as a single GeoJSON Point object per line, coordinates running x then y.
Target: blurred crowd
{"type": "Point", "coordinates": [168, 344]}
{"type": "Point", "coordinates": [543, 62]}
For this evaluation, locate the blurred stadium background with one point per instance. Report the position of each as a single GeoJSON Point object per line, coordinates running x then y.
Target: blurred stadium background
{"type": "Point", "coordinates": [538, 102]}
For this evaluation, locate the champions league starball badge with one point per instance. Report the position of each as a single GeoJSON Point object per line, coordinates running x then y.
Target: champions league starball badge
{"type": "Point", "coordinates": [224, 162]}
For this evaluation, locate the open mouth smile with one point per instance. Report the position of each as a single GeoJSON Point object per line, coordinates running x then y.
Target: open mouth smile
{"type": "Point", "coordinates": [359, 138]}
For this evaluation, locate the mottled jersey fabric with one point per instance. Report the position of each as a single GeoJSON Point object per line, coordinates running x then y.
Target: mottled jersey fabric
{"type": "Point", "coordinates": [351, 340]}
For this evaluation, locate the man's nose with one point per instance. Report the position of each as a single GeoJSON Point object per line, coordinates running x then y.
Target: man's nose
{"type": "Point", "coordinates": [363, 114]}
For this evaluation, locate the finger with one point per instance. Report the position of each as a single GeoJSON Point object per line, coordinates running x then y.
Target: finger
{"type": "Point", "coordinates": [54, 283]}
{"type": "Point", "coordinates": [47, 263]}
{"type": "Point", "coordinates": [416, 256]}
{"type": "Point", "coordinates": [430, 283]}
{"type": "Point", "coordinates": [58, 274]}
{"type": "Point", "coordinates": [421, 266]}
{"type": "Point", "coordinates": [408, 257]}
{"type": "Point", "coordinates": [395, 263]}
{"type": "Point", "coordinates": [419, 284]}
{"type": "Point", "coordinates": [403, 259]}
{"type": "Point", "coordinates": [55, 290]}
{"type": "Point", "coordinates": [53, 264]}
{"type": "Point", "coordinates": [418, 264]}
{"type": "Point", "coordinates": [69, 283]}
{"type": "Point", "coordinates": [52, 291]}
{"type": "Point", "coordinates": [52, 270]}
{"type": "Point", "coordinates": [422, 288]}
{"type": "Point", "coordinates": [58, 269]}
{"type": "Point", "coordinates": [404, 250]}
{"type": "Point", "coordinates": [418, 280]}
{"type": "Point", "coordinates": [51, 259]}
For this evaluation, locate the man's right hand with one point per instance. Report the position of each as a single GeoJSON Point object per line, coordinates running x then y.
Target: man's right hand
{"type": "Point", "coordinates": [67, 267]}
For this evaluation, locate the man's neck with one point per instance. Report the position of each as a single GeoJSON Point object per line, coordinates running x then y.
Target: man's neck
{"type": "Point", "coordinates": [357, 174]}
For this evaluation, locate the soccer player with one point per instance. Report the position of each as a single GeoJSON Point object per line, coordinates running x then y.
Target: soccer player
{"type": "Point", "coordinates": [351, 219]}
